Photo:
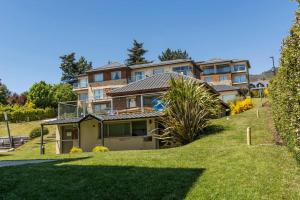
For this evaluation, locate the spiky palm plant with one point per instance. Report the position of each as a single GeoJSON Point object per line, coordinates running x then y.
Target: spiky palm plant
{"type": "Point", "coordinates": [189, 107]}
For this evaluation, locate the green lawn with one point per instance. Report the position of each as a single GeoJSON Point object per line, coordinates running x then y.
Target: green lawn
{"type": "Point", "coordinates": [21, 129]}
{"type": "Point", "coordinates": [218, 166]}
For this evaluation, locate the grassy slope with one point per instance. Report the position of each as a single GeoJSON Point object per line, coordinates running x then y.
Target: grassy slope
{"type": "Point", "coordinates": [218, 166]}
{"type": "Point", "coordinates": [21, 129]}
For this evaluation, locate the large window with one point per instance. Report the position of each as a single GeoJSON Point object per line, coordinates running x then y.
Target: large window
{"type": "Point", "coordinates": [238, 68]}
{"type": "Point", "coordinates": [83, 96]}
{"type": "Point", "coordinates": [98, 94]}
{"type": "Point", "coordinates": [228, 97]}
{"type": "Point", "coordinates": [208, 79]}
{"type": "Point", "coordinates": [116, 75]}
{"type": "Point", "coordinates": [117, 130]}
{"type": "Point", "coordinates": [83, 83]}
{"type": "Point", "coordinates": [158, 71]}
{"type": "Point", "coordinates": [139, 75]}
{"type": "Point", "coordinates": [209, 70]}
{"type": "Point", "coordinates": [240, 79]}
{"type": "Point", "coordinates": [131, 102]}
{"type": "Point", "coordinates": [98, 77]}
{"type": "Point", "coordinates": [223, 77]}
{"type": "Point", "coordinates": [149, 100]}
{"type": "Point", "coordinates": [139, 128]}
{"type": "Point", "coordinates": [223, 69]}
{"type": "Point", "coordinates": [185, 70]}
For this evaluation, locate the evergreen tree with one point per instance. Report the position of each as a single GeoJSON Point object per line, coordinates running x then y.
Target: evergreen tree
{"type": "Point", "coordinates": [136, 53]}
{"type": "Point", "coordinates": [169, 54]}
{"type": "Point", "coordinates": [4, 93]}
{"type": "Point", "coordinates": [72, 68]}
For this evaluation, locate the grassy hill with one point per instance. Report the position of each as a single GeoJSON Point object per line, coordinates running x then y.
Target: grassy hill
{"type": "Point", "coordinates": [217, 166]}
{"type": "Point", "coordinates": [266, 75]}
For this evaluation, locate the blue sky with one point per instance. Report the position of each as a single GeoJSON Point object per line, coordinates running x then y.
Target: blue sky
{"type": "Point", "coordinates": [33, 34]}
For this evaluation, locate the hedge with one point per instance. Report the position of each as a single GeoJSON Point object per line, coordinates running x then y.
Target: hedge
{"type": "Point", "coordinates": [23, 113]}
{"type": "Point", "coordinates": [285, 92]}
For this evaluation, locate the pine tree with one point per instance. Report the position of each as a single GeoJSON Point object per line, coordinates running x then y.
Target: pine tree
{"type": "Point", "coordinates": [71, 68]}
{"type": "Point", "coordinates": [136, 53]}
{"type": "Point", "coordinates": [169, 54]}
{"type": "Point", "coordinates": [4, 93]}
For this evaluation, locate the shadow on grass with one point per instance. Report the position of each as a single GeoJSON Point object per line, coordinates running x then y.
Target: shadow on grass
{"type": "Point", "coordinates": [69, 181]}
{"type": "Point", "coordinates": [213, 129]}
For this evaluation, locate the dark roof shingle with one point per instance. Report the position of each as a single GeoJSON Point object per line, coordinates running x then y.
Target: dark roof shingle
{"type": "Point", "coordinates": [160, 81]}
{"type": "Point", "coordinates": [221, 88]}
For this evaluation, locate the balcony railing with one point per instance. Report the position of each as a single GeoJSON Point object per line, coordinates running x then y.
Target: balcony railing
{"type": "Point", "coordinates": [136, 78]}
{"type": "Point", "coordinates": [80, 85]}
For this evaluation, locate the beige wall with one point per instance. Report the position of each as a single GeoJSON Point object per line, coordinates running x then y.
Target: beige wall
{"type": "Point", "coordinates": [89, 134]}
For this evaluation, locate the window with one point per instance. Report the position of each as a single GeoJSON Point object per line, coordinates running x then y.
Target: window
{"type": "Point", "coordinates": [139, 75]}
{"type": "Point", "coordinates": [149, 100]}
{"type": "Point", "coordinates": [228, 97]}
{"type": "Point", "coordinates": [98, 94]}
{"type": "Point", "coordinates": [209, 70]}
{"type": "Point", "coordinates": [185, 70]}
{"type": "Point", "coordinates": [158, 71]}
{"type": "Point", "coordinates": [117, 130]}
{"type": "Point", "coordinates": [139, 128]}
{"type": "Point", "coordinates": [208, 79]}
{"type": "Point", "coordinates": [131, 102]}
{"type": "Point", "coordinates": [223, 69]}
{"type": "Point", "coordinates": [240, 79]}
{"type": "Point", "coordinates": [116, 75]}
{"type": "Point", "coordinates": [98, 77]}
{"type": "Point", "coordinates": [83, 83]}
{"type": "Point", "coordinates": [100, 108]}
{"type": "Point", "coordinates": [83, 96]}
{"type": "Point", "coordinates": [223, 78]}
{"type": "Point", "coordinates": [238, 68]}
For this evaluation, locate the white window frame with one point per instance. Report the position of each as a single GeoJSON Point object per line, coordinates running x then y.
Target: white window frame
{"type": "Point", "coordinates": [101, 96]}
{"type": "Point", "coordinates": [113, 74]}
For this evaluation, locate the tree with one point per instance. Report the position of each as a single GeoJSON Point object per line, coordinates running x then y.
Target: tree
{"type": "Point", "coordinates": [285, 92]}
{"type": "Point", "coordinates": [72, 68]}
{"type": "Point", "coordinates": [40, 94]}
{"type": "Point", "coordinates": [136, 53]}
{"type": "Point", "coordinates": [63, 92]}
{"type": "Point", "coordinates": [4, 93]}
{"type": "Point", "coordinates": [188, 109]}
{"type": "Point", "coordinates": [169, 54]}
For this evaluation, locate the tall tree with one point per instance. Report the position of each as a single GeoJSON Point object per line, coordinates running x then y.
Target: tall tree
{"type": "Point", "coordinates": [63, 92]}
{"type": "Point", "coordinates": [41, 95]}
{"type": "Point", "coordinates": [4, 93]}
{"type": "Point", "coordinates": [169, 54]}
{"type": "Point", "coordinates": [136, 54]}
{"type": "Point", "coordinates": [72, 68]}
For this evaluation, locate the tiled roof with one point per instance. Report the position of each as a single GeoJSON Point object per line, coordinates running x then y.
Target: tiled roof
{"type": "Point", "coordinates": [131, 116]}
{"type": "Point", "coordinates": [104, 118]}
{"type": "Point", "coordinates": [160, 81]}
{"type": "Point", "coordinates": [221, 88]}
{"type": "Point", "coordinates": [114, 65]}
{"type": "Point", "coordinates": [154, 64]}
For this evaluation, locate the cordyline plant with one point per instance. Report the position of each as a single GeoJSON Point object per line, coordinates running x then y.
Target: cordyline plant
{"type": "Point", "coordinates": [188, 108]}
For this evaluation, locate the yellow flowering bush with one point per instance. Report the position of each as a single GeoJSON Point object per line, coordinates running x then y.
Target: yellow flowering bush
{"type": "Point", "coordinates": [100, 149]}
{"type": "Point", "coordinates": [266, 92]}
{"type": "Point", "coordinates": [76, 150]}
{"type": "Point", "coordinates": [241, 106]}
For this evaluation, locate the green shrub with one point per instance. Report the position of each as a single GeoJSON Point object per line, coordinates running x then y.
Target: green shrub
{"type": "Point", "coordinates": [285, 92]}
{"type": "Point", "coordinates": [100, 149]}
{"type": "Point", "coordinates": [76, 150]}
{"type": "Point", "coordinates": [36, 132]}
{"type": "Point", "coordinates": [18, 113]}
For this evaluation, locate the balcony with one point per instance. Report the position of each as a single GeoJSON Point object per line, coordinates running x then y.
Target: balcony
{"type": "Point", "coordinates": [80, 86]}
